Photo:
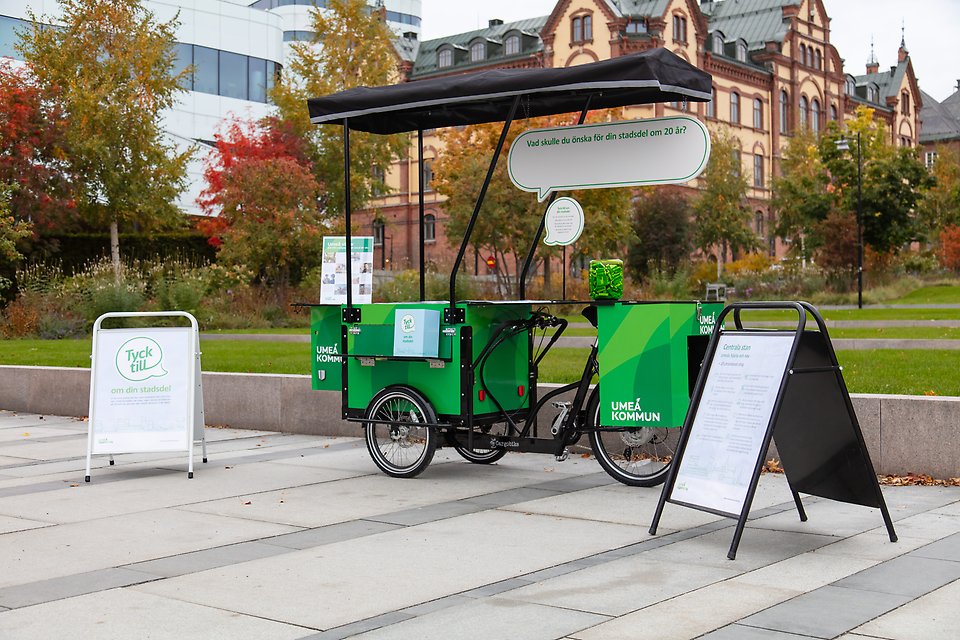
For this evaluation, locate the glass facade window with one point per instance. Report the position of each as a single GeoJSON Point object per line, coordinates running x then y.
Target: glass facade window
{"type": "Point", "coordinates": [206, 70]}
{"type": "Point", "coordinates": [233, 75]}
{"type": "Point", "coordinates": [183, 58]}
{"type": "Point", "coordinates": [511, 46]}
{"type": "Point", "coordinates": [257, 81]}
{"type": "Point", "coordinates": [298, 36]}
{"type": "Point", "coordinates": [8, 35]}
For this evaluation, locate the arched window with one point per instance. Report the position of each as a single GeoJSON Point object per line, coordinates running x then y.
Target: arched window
{"type": "Point", "coordinates": [445, 58]}
{"type": "Point", "coordinates": [478, 51]}
{"type": "Point", "coordinates": [758, 223]}
{"type": "Point", "coordinates": [741, 51]}
{"type": "Point", "coordinates": [815, 116]}
{"type": "Point", "coordinates": [717, 46]}
{"type": "Point", "coordinates": [818, 59]}
{"type": "Point", "coordinates": [905, 103]}
{"type": "Point", "coordinates": [784, 112]}
{"type": "Point", "coordinates": [850, 86]}
{"type": "Point", "coordinates": [757, 113]}
{"type": "Point", "coordinates": [511, 45]}
{"type": "Point", "coordinates": [735, 107]}
{"type": "Point", "coordinates": [804, 112]}
{"type": "Point", "coordinates": [803, 54]}
{"type": "Point", "coordinates": [378, 229]}
{"type": "Point", "coordinates": [427, 176]}
{"type": "Point", "coordinates": [429, 228]}
{"type": "Point", "coordinates": [588, 28]}
{"type": "Point", "coordinates": [577, 30]}
{"type": "Point", "coordinates": [833, 112]}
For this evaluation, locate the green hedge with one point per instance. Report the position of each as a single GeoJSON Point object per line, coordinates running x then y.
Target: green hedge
{"type": "Point", "coordinates": [73, 250]}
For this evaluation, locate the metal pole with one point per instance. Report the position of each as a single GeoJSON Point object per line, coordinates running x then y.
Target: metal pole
{"type": "Point", "coordinates": [476, 209]}
{"type": "Point", "coordinates": [859, 224]}
{"type": "Point", "coordinates": [423, 287]}
{"type": "Point", "coordinates": [346, 207]}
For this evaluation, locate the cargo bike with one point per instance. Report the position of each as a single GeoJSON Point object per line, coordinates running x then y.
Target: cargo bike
{"type": "Point", "coordinates": [471, 380]}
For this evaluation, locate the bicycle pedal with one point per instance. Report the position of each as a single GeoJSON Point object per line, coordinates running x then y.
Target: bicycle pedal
{"type": "Point", "coordinates": [563, 456]}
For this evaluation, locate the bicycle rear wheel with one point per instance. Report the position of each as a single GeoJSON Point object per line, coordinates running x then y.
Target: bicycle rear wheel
{"type": "Point", "coordinates": [635, 456]}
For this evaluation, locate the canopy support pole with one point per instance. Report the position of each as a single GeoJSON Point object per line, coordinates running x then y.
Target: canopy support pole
{"type": "Point", "coordinates": [543, 221]}
{"type": "Point", "coordinates": [349, 314]}
{"type": "Point", "coordinates": [423, 294]}
{"type": "Point", "coordinates": [452, 315]}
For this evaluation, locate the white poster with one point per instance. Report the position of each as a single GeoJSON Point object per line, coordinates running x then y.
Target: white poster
{"type": "Point", "coordinates": [142, 400]}
{"type": "Point", "coordinates": [612, 154]}
{"type": "Point", "coordinates": [333, 276]}
{"type": "Point", "coordinates": [564, 222]}
{"type": "Point", "coordinates": [731, 421]}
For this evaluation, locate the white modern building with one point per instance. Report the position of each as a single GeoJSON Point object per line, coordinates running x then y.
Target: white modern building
{"type": "Point", "coordinates": [237, 48]}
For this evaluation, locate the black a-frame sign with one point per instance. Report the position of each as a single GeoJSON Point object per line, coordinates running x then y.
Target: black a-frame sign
{"type": "Point", "coordinates": [761, 384]}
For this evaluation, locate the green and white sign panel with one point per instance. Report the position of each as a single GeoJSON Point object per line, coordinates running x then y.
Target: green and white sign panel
{"type": "Point", "coordinates": [564, 222]}
{"type": "Point", "coordinates": [333, 276]}
{"type": "Point", "coordinates": [145, 389]}
{"type": "Point", "coordinates": [614, 154]}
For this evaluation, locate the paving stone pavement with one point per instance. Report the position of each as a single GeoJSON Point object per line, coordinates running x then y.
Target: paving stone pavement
{"type": "Point", "coordinates": [286, 536]}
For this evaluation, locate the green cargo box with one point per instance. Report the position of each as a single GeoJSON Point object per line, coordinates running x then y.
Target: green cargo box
{"type": "Point", "coordinates": [649, 356]}
{"type": "Point", "coordinates": [371, 365]}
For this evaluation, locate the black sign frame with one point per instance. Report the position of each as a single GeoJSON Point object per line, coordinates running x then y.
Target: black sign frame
{"type": "Point", "coordinates": [822, 449]}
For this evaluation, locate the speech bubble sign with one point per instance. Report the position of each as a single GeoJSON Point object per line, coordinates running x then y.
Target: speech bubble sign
{"type": "Point", "coordinates": [614, 154]}
{"type": "Point", "coordinates": [564, 222]}
{"type": "Point", "coordinates": [139, 359]}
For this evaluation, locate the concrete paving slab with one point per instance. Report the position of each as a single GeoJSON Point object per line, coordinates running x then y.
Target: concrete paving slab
{"type": "Point", "coordinates": [930, 526]}
{"type": "Point", "coordinates": [493, 618]}
{"type": "Point", "coordinates": [204, 559]}
{"type": "Point", "coordinates": [16, 420]}
{"type": "Point", "coordinates": [826, 612]}
{"type": "Point", "coordinates": [11, 438]}
{"type": "Point", "coordinates": [370, 495]}
{"type": "Point", "coordinates": [806, 571]}
{"type": "Point", "coordinates": [9, 524]}
{"type": "Point", "coordinates": [824, 517]}
{"type": "Point", "coordinates": [52, 552]}
{"type": "Point", "coordinates": [946, 549]}
{"type": "Point", "coordinates": [123, 613]}
{"type": "Point", "coordinates": [328, 535]}
{"type": "Point", "coordinates": [742, 632]}
{"type": "Point", "coordinates": [758, 548]}
{"type": "Point", "coordinates": [873, 545]}
{"type": "Point", "coordinates": [34, 593]}
{"type": "Point", "coordinates": [691, 614]}
{"type": "Point", "coordinates": [617, 588]}
{"type": "Point", "coordinates": [160, 489]}
{"type": "Point", "coordinates": [907, 575]}
{"type": "Point", "coordinates": [934, 615]}
{"type": "Point", "coordinates": [340, 583]}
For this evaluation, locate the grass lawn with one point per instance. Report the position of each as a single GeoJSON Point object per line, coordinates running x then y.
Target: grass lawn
{"type": "Point", "coordinates": [942, 294]}
{"type": "Point", "coordinates": [925, 333]}
{"type": "Point", "coordinates": [880, 371]}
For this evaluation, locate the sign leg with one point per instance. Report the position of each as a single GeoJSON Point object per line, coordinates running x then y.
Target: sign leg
{"type": "Point", "coordinates": [204, 444]}
{"type": "Point", "coordinates": [887, 521]}
{"type": "Point", "coordinates": [796, 499]}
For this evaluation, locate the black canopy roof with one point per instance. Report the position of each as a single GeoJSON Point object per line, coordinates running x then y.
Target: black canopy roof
{"type": "Point", "coordinates": [656, 75]}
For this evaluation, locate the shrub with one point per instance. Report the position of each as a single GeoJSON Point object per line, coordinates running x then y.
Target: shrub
{"type": "Point", "coordinates": [950, 248]}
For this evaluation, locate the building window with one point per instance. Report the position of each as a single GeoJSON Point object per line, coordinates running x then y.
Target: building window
{"type": "Point", "coordinates": [873, 93]}
{"type": "Point", "coordinates": [735, 107]}
{"type": "Point", "coordinates": [427, 176]}
{"type": "Point", "coordinates": [757, 113]}
{"type": "Point", "coordinates": [804, 112]}
{"type": "Point", "coordinates": [735, 154]}
{"type": "Point", "coordinates": [930, 159]}
{"type": "Point", "coordinates": [758, 179]}
{"type": "Point", "coordinates": [742, 51]}
{"type": "Point", "coordinates": [429, 228]}
{"type": "Point", "coordinates": [445, 58]}
{"type": "Point", "coordinates": [511, 45]}
{"type": "Point", "coordinates": [905, 103]}
{"type": "Point", "coordinates": [758, 223]}
{"type": "Point", "coordinates": [577, 30]}
{"type": "Point", "coordinates": [206, 70]}
{"type": "Point", "coordinates": [850, 86]}
{"type": "Point", "coordinates": [378, 233]}
{"type": "Point", "coordinates": [636, 25]}
{"type": "Point", "coordinates": [815, 116]}
{"type": "Point", "coordinates": [712, 105]}
{"type": "Point", "coordinates": [588, 28]}
{"type": "Point", "coordinates": [379, 175]}
{"type": "Point", "coordinates": [183, 58]}
{"type": "Point", "coordinates": [833, 112]}
{"type": "Point", "coordinates": [258, 79]}
{"type": "Point", "coordinates": [478, 52]}
{"type": "Point", "coordinates": [582, 29]}
{"type": "Point", "coordinates": [717, 45]}
{"type": "Point", "coordinates": [818, 59]}
{"type": "Point", "coordinates": [679, 29]}
{"type": "Point", "coordinates": [803, 54]}
{"type": "Point", "coordinates": [784, 112]}
{"type": "Point", "coordinates": [233, 75]}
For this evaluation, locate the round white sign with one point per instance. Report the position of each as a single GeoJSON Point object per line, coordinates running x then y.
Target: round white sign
{"type": "Point", "coordinates": [564, 222]}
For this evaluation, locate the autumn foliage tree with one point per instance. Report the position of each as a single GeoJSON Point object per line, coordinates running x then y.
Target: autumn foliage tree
{"type": "Point", "coordinates": [32, 150]}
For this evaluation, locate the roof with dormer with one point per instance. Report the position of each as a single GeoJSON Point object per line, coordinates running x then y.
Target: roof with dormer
{"type": "Point", "coordinates": [940, 122]}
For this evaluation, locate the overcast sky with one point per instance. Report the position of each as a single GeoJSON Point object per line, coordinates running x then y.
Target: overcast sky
{"type": "Point", "coordinates": [930, 28]}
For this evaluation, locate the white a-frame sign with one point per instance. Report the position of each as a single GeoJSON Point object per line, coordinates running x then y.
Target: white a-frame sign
{"type": "Point", "coordinates": [146, 393]}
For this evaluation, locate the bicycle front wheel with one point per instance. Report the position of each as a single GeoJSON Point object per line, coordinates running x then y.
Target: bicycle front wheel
{"type": "Point", "coordinates": [635, 456]}
{"type": "Point", "coordinates": [403, 444]}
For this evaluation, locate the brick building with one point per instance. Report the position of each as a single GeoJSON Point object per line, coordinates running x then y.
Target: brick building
{"type": "Point", "coordinates": [774, 69]}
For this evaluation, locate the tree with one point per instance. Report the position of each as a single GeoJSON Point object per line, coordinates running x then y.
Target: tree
{"type": "Point", "coordinates": [720, 213]}
{"type": "Point", "coordinates": [661, 225]}
{"type": "Point", "coordinates": [351, 46]}
{"type": "Point", "coordinates": [11, 231]}
{"type": "Point", "coordinates": [803, 195]}
{"type": "Point", "coordinates": [32, 153]}
{"type": "Point", "coordinates": [273, 227]}
{"type": "Point", "coordinates": [941, 204]}
{"type": "Point", "coordinates": [111, 65]}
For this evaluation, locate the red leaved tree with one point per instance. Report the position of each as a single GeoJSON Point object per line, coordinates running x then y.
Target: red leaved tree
{"type": "Point", "coordinates": [32, 127]}
{"type": "Point", "coordinates": [950, 247]}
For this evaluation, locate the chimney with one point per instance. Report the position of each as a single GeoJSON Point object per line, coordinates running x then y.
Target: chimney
{"type": "Point", "coordinates": [495, 22]}
{"type": "Point", "coordinates": [873, 67]}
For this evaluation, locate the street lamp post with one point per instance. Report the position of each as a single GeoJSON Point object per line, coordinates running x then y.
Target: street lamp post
{"type": "Point", "coordinates": [843, 145]}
